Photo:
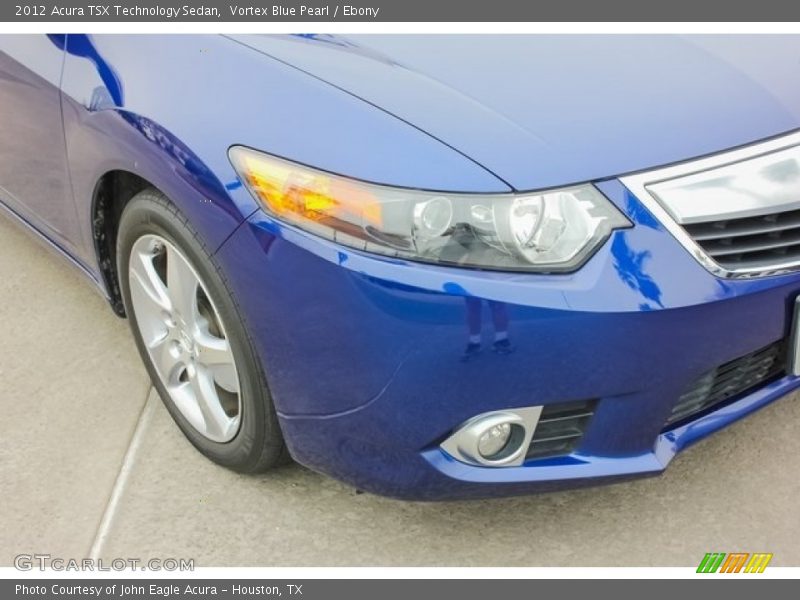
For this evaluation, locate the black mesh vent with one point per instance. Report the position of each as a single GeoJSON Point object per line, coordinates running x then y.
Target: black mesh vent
{"type": "Point", "coordinates": [560, 428]}
{"type": "Point", "coordinates": [734, 378]}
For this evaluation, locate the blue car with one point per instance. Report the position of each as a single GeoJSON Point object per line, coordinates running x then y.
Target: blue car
{"type": "Point", "coordinates": [429, 266]}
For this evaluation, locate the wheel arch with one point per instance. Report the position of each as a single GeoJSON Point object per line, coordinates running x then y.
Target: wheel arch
{"type": "Point", "coordinates": [112, 192]}
{"type": "Point", "coordinates": [116, 154]}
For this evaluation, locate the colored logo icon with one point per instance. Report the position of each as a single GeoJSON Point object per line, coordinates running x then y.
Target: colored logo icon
{"type": "Point", "coordinates": [735, 562]}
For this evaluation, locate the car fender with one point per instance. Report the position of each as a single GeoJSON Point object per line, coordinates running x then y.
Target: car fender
{"type": "Point", "coordinates": [167, 108]}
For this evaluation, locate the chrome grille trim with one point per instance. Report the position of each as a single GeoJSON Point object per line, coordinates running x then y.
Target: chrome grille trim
{"type": "Point", "coordinates": [777, 257]}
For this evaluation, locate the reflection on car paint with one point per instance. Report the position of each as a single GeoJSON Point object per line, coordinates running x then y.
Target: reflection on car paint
{"type": "Point", "coordinates": [630, 265]}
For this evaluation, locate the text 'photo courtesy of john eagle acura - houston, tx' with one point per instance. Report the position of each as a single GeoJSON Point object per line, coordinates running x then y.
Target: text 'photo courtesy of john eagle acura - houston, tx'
{"type": "Point", "coordinates": [429, 266]}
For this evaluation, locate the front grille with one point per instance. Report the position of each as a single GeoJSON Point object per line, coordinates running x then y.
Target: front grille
{"type": "Point", "coordinates": [560, 428]}
{"type": "Point", "coordinates": [734, 378]}
{"type": "Point", "coordinates": [737, 212]}
{"type": "Point", "coordinates": [750, 242]}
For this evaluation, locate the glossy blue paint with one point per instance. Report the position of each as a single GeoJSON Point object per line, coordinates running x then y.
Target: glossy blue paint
{"type": "Point", "coordinates": [35, 183]}
{"type": "Point", "coordinates": [634, 328]}
{"type": "Point", "coordinates": [362, 352]}
{"type": "Point", "coordinates": [612, 104]}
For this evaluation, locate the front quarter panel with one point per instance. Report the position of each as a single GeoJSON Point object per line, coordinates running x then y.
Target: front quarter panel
{"type": "Point", "coordinates": [168, 108]}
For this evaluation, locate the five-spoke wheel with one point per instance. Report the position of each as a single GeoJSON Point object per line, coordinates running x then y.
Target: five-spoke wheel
{"type": "Point", "coordinates": [185, 338]}
{"type": "Point", "coordinates": [192, 337]}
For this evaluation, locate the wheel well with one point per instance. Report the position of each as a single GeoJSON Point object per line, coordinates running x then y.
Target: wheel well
{"type": "Point", "coordinates": [113, 191]}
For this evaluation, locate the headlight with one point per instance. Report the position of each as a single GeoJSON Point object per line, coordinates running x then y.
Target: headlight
{"type": "Point", "coordinates": [554, 230]}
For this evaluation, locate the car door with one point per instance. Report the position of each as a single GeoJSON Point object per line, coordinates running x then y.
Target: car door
{"type": "Point", "coordinates": [34, 175]}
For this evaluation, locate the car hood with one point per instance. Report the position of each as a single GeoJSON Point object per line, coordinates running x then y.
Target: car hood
{"type": "Point", "coordinates": [549, 110]}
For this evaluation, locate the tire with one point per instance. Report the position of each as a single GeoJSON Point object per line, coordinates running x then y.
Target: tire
{"type": "Point", "coordinates": [194, 344]}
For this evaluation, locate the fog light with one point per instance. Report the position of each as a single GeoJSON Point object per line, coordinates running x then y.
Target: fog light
{"type": "Point", "coordinates": [494, 440]}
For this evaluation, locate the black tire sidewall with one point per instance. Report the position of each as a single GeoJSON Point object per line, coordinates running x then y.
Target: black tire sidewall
{"type": "Point", "coordinates": [258, 444]}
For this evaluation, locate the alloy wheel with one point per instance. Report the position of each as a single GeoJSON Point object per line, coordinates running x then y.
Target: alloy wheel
{"type": "Point", "coordinates": [185, 337]}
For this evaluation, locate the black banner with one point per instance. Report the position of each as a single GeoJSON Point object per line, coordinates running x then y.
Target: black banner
{"type": "Point", "coordinates": [395, 11]}
{"type": "Point", "coordinates": [334, 589]}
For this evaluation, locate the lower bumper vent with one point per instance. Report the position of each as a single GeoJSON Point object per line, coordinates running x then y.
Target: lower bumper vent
{"type": "Point", "coordinates": [734, 378]}
{"type": "Point", "coordinates": [560, 428]}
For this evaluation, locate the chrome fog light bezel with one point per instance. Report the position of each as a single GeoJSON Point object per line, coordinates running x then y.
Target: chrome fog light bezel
{"type": "Point", "coordinates": [463, 443]}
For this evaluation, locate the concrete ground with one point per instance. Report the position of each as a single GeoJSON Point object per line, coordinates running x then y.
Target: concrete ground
{"type": "Point", "coordinates": [90, 463]}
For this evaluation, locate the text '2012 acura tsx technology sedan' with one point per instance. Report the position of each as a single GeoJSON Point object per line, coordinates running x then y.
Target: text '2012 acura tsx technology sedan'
{"type": "Point", "coordinates": [430, 266]}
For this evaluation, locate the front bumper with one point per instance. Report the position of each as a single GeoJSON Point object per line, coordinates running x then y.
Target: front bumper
{"type": "Point", "coordinates": [362, 354]}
